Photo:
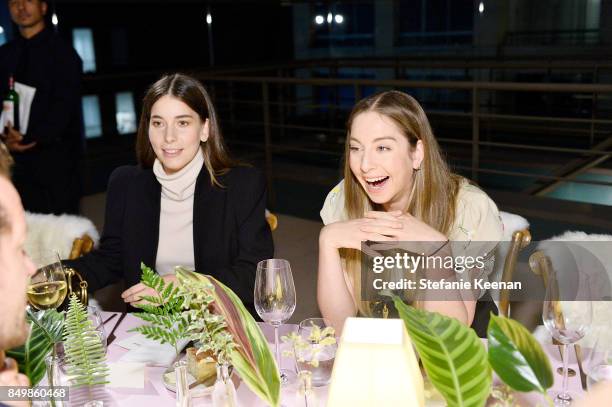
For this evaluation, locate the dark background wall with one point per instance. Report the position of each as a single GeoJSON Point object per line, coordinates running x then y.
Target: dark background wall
{"type": "Point", "coordinates": [139, 36]}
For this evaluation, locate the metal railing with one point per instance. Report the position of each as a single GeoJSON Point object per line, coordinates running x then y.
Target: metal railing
{"type": "Point", "coordinates": [555, 37]}
{"type": "Point", "coordinates": [279, 123]}
{"type": "Point", "coordinates": [270, 101]}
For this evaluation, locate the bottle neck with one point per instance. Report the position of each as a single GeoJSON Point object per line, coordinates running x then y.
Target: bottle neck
{"type": "Point", "coordinates": [11, 83]}
{"type": "Point", "coordinates": [222, 371]}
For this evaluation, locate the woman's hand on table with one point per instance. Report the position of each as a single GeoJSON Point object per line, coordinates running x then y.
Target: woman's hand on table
{"type": "Point", "coordinates": [133, 295]}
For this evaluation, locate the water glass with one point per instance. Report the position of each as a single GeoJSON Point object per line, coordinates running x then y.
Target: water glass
{"type": "Point", "coordinates": [275, 301]}
{"type": "Point", "coordinates": [56, 373]}
{"type": "Point", "coordinates": [311, 354]}
{"type": "Point", "coordinates": [567, 314]}
{"type": "Point", "coordinates": [183, 398]}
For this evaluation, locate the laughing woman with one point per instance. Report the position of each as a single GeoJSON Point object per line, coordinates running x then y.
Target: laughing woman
{"type": "Point", "coordinates": [187, 202]}
{"type": "Point", "coordinates": [397, 187]}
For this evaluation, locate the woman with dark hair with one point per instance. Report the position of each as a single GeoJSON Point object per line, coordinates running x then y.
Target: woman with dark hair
{"type": "Point", "coordinates": [397, 187]}
{"type": "Point", "coordinates": [187, 203]}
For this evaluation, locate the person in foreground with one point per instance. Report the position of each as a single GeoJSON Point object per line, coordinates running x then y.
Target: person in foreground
{"type": "Point", "coordinates": [396, 187]}
{"type": "Point", "coordinates": [187, 202]}
{"type": "Point", "coordinates": [15, 270]}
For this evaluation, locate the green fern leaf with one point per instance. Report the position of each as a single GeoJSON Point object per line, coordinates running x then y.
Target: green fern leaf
{"type": "Point", "coordinates": [85, 357]}
{"type": "Point", "coordinates": [163, 311]}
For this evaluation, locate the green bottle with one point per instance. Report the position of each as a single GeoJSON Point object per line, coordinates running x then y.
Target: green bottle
{"type": "Point", "coordinates": [10, 105]}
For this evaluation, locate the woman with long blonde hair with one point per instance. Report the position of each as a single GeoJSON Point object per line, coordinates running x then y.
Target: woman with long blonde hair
{"type": "Point", "coordinates": [396, 187]}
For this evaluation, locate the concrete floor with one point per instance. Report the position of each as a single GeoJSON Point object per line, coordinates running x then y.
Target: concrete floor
{"type": "Point", "coordinates": [295, 239]}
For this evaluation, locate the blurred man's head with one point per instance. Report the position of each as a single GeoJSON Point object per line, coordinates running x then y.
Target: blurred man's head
{"type": "Point", "coordinates": [15, 267]}
{"type": "Point", "coordinates": [29, 15]}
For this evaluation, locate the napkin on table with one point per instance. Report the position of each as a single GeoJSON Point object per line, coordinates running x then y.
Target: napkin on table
{"type": "Point", "coordinates": [126, 374]}
{"type": "Point", "coordinates": [148, 351]}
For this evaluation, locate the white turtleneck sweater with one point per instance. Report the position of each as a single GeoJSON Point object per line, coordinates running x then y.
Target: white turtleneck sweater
{"type": "Point", "coordinates": [175, 245]}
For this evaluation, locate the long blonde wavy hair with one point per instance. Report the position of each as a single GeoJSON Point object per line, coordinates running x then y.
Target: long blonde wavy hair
{"type": "Point", "coordinates": [434, 187]}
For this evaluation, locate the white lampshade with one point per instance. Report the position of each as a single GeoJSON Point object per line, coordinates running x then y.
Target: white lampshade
{"type": "Point", "coordinates": [375, 366]}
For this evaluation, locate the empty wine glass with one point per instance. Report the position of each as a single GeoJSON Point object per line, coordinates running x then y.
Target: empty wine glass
{"type": "Point", "coordinates": [275, 301]}
{"type": "Point", "coordinates": [47, 288]}
{"type": "Point", "coordinates": [567, 314]}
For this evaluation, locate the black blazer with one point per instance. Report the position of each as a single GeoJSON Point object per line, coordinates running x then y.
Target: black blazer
{"type": "Point", "coordinates": [230, 232]}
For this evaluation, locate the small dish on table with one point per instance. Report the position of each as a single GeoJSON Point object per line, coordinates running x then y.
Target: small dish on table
{"type": "Point", "coordinates": [201, 373]}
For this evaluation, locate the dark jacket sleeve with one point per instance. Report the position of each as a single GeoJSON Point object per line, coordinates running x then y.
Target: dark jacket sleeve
{"type": "Point", "coordinates": [64, 101]}
{"type": "Point", "coordinates": [254, 235]}
{"type": "Point", "coordinates": [104, 265]}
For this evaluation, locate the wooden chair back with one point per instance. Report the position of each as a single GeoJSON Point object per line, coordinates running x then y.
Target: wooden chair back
{"type": "Point", "coordinates": [520, 240]}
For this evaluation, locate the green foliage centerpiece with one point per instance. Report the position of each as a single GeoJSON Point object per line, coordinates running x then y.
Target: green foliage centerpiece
{"type": "Point", "coordinates": [163, 311]}
{"type": "Point", "coordinates": [202, 309]}
{"type": "Point", "coordinates": [452, 354]}
{"type": "Point", "coordinates": [459, 365]}
{"type": "Point", "coordinates": [46, 329]}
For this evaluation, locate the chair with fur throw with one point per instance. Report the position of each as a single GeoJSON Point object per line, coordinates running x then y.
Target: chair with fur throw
{"type": "Point", "coordinates": [69, 236]}
{"type": "Point", "coordinates": [590, 254]}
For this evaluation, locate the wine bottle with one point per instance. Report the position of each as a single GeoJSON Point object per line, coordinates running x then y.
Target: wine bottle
{"type": "Point", "coordinates": [10, 105]}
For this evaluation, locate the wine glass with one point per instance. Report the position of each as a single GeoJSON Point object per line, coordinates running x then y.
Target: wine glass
{"type": "Point", "coordinates": [47, 288]}
{"type": "Point", "coordinates": [275, 301]}
{"type": "Point", "coordinates": [567, 313]}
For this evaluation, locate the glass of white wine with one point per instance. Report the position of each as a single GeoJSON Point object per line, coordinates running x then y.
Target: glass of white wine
{"type": "Point", "coordinates": [48, 287]}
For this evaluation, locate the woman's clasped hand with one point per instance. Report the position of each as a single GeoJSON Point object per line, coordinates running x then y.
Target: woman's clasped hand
{"type": "Point", "coordinates": [135, 294]}
{"type": "Point", "coordinates": [378, 226]}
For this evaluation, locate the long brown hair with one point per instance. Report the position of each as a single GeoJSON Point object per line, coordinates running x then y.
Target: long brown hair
{"type": "Point", "coordinates": [434, 187]}
{"type": "Point", "coordinates": [191, 92]}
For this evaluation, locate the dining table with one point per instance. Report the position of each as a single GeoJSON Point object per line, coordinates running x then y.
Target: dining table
{"type": "Point", "coordinates": [155, 394]}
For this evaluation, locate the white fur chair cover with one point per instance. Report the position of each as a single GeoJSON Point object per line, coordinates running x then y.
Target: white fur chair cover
{"type": "Point", "coordinates": [48, 234]}
{"type": "Point", "coordinates": [512, 223]}
{"type": "Point", "coordinates": [600, 256]}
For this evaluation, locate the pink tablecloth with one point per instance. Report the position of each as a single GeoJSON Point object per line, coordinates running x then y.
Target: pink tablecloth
{"type": "Point", "coordinates": [155, 394]}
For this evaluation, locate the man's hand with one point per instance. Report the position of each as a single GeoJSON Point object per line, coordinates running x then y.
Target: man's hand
{"type": "Point", "coordinates": [133, 295]}
{"type": "Point", "coordinates": [13, 140]}
{"type": "Point", "coordinates": [11, 377]}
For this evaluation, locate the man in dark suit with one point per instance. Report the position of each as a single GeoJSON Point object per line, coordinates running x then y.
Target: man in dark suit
{"type": "Point", "coordinates": [15, 269]}
{"type": "Point", "coordinates": [46, 155]}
